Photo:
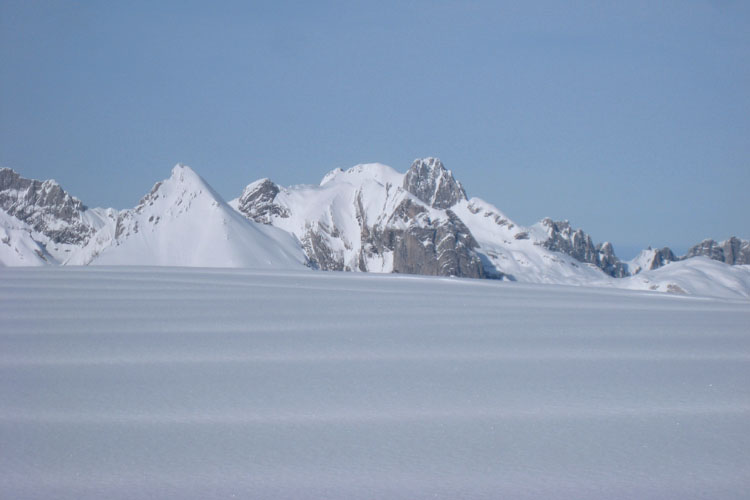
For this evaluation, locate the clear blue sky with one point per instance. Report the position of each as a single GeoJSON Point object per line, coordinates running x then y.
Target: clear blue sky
{"type": "Point", "coordinates": [630, 119]}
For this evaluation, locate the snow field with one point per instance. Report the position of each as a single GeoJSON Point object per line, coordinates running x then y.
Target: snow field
{"type": "Point", "coordinates": [196, 383]}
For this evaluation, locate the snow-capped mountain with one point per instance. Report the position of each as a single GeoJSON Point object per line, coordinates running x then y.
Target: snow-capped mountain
{"type": "Point", "coordinates": [372, 218]}
{"type": "Point", "coordinates": [184, 222]}
{"type": "Point", "coordinates": [369, 218]}
{"type": "Point", "coordinates": [365, 219]}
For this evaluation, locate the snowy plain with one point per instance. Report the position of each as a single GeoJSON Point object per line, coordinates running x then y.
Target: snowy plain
{"type": "Point", "coordinates": [120, 382]}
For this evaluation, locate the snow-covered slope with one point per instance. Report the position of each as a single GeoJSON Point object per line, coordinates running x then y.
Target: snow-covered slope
{"type": "Point", "coordinates": [154, 383]}
{"type": "Point", "coordinates": [694, 276]}
{"type": "Point", "coordinates": [17, 245]}
{"type": "Point", "coordinates": [184, 222]}
{"type": "Point", "coordinates": [518, 252]}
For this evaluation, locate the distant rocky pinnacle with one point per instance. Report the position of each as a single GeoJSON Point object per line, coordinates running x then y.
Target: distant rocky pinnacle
{"type": "Point", "coordinates": [428, 180]}
{"type": "Point", "coordinates": [662, 257]}
{"type": "Point", "coordinates": [256, 202]}
{"type": "Point", "coordinates": [733, 251]}
{"type": "Point", "coordinates": [576, 243]}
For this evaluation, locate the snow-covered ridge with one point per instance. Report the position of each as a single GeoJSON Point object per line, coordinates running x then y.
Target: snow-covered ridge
{"type": "Point", "coordinates": [371, 218]}
{"type": "Point", "coordinates": [368, 218]}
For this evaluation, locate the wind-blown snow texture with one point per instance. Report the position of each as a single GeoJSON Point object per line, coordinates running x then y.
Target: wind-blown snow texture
{"type": "Point", "coordinates": [197, 383]}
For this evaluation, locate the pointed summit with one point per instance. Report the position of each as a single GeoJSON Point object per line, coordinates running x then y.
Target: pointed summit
{"type": "Point", "coordinates": [184, 222]}
{"type": "Point", "coordinates": [431, 182]}
{"type": "Point", "coordinates": [183, 185]}
{"type": "Point", "coordinates": [183, 173]}
{"type": "Point", "coordinates": [188, 178]}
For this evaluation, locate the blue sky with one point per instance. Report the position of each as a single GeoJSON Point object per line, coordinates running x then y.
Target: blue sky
{"type": "Point", "coordinates": [632, 120]}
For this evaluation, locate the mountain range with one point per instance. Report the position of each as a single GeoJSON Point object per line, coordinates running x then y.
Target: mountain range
{"type": "Point", "coordinates": [369, 218]}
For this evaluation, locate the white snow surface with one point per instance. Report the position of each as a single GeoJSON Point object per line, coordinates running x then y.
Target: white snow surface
{"type": "Point", "coordinates": [17, 245]}
{"type": "Point", "coordinates": [132, 382]}
{"type": "Point", "coordinates": [184, 222]}
{"type": "Point", "coordinates": [693, 276]}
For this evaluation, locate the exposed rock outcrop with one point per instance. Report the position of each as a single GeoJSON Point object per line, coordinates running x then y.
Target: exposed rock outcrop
{"type": "Point", "coordinates": [662, 257]}
{"type": "Point", "coordinates": [608, 262]}
{"type": "Point", "coordinates": [442, 247]}
{"type": "Point", "coordinates": [428, 180]}
{"type": "Point", "coordinates": [44, 206]}
{"type": "Point", "coordinates": [733, 251]}
{"type": "Point", "coordinates": [256, 202]}
{"type": "Point", "coordinates": [576, 243]}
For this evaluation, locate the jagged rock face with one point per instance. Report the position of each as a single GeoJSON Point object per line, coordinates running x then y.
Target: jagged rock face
{"type": "Point", "coordinates": [608, 261]}
{"type": "Point", "coordinates": [428, 180]}
{"type": "Point", "coordinates": [442, 247]}
{"type": "Point", "coordinates": [707, 248]}
{"type": "Point", "coordinates": [320, 255]}
{"type": "Point", "coordinates": [257, 202]}
{"type": "Point", "coordinates": [662, 257]}
{"type": "Point", "coordinates": [562, 238]}
{"type": "Point", "coordinates": [44, 206]}
{"type": "Point", "coordinates": [733, 251]}
{"type": "Point", "coordinates": [736, 251]}
{"type": "Point", "coordinates": [578, 244]}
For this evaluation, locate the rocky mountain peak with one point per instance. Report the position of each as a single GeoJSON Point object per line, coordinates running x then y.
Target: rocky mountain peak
{"type": "Point", "coordinates": [19, 191]}
{"type": "Point", "coordinates": [574, 242]}
{"type": "Point", "coordinates": [431, 182]}
{"type": "Point", "coordinates": [183, 184]}
{"type": "Point", "coordinates": [45, 206]}
{"type": "Point", "coordinates": [257, 202]}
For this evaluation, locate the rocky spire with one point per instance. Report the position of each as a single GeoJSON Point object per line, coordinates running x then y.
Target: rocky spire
{"type": "Point", "coordinates": [428, 180]}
